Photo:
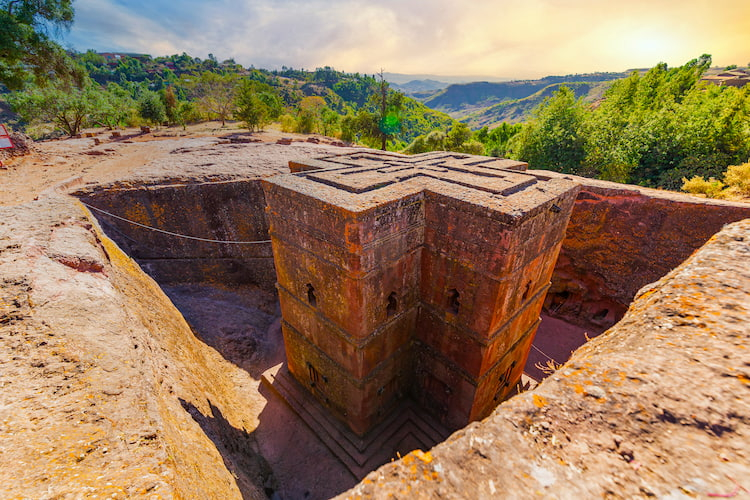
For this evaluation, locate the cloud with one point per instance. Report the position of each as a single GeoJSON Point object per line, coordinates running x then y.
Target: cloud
{"type": "Point", "coordinates": [516, 38]}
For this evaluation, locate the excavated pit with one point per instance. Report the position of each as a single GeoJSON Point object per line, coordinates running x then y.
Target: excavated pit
{"type": "Point", "coordinates": [619, 239]}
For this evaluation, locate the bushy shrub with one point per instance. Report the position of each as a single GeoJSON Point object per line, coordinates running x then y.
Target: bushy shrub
{"type": "Point", "coordinates": [471, 148]}
{"type": "Point", "coordinates": [737, 178]}
{"type": "Point", "coordinates": [151, 107]}
{"type": "Point", "coordinates": [288, 123]}
{"type": "Point", "coordinates": [710, 188]}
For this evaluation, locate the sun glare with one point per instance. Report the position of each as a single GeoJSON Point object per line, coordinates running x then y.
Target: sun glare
{"type": "Point", "coordinates": [645, 46]}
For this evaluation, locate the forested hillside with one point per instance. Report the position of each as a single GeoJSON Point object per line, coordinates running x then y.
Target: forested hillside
{"type": "Point", "coordinates": [653, 129]}
{"type": "Point", "coordinates": [470, 96]}
{"type": "Point", "coordinates": [665, 127]}
{"type": "Point", "coordinates": [519, 110]}
{"type": "Point", "coordinates": [133, 89]}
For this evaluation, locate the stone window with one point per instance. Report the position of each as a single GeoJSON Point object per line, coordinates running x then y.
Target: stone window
{"type": "Point", "coordinates": [453, 301]}
{"type": "Point", "coordinates": [313, 375]}
{"type": "Point", "coordinates": [392, 307]}
{"type": "Point", "coordinates": [311, 299]}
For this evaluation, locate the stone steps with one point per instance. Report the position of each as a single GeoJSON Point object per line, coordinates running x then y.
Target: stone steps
{"type": "Point", "coordinates": [406, 428]}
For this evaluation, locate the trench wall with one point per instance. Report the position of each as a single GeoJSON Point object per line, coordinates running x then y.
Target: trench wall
{"type": "Point", "coordinates": [621, 238]}
{"type": "Point", "coordinates": [107, 391]}
{"type": "Point", "coordinates": [225, 211]}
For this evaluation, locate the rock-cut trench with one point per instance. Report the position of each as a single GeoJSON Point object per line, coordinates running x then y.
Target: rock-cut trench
{"type": "Point", "coordinates": [620, 238]}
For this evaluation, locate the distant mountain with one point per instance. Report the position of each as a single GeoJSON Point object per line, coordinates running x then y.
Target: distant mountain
{"type": "Point", "coordinates": [402, 78]}
{"type": "Point", "coordinates": [420, 86]}
{"type": "Point", "coordinates": [517, 110]}
{"type": "Point", "coordinates": [488, 103]}
{"type": "Point", "coordinates": [469, 96]}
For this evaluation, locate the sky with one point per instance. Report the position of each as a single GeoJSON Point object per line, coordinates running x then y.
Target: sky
{"type": "Point", "coordinates": [499, 38]}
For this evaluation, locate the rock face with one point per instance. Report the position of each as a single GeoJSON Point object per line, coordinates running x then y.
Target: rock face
{"type": "Point", "coordinates": [621, 238]}
{"type": "Point", "coordinates": [22, 145]}
{"type": "Point", "coordinates": [208, 214]}
{"type": "Point", "coordinates": [106, 391]}
{"type": "Point", "coordinates": [657, 406]}
{"type": "Point", "coordinates": [413, 276]}
{"type": "Point", "coordinates": [193, 193]}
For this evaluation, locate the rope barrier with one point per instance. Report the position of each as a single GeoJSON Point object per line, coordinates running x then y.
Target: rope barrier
{"type": "Point", "coordinates": [543, 353]}
{"type": "Point", "coordinates": [170, 233]}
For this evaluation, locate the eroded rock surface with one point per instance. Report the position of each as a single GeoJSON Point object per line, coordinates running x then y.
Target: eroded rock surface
{"type": "Point", "coordinates": [656, 406]}
{"type": "Point", "coordinates": [623, 237]}
{"type": "Point", "coordinates": [105, 390]}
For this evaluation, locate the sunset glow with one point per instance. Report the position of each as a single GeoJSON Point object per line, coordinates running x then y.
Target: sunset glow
{"type": "Point", "coordinates": [502, 38]}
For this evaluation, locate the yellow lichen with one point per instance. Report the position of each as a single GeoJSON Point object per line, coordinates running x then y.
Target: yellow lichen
{"type": "Point", "coordinates": [539, 401]}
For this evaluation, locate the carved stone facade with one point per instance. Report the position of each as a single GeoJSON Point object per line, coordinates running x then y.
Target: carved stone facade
{"type": "Point", "coordinates": [412, 277]}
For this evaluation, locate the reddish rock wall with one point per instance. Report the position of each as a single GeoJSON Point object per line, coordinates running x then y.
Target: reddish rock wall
{"type": "Point", "coordinates": [621, 238]}
{"type": "Point", "coordinates": [227, 211]}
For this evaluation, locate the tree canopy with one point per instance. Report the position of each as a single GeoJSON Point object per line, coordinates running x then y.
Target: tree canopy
{"type": "Point", "coordinates": [651, 129]}
{"type": "Point", "coordinates": [26, 43]}
{"type": "Point", "coordinates": [256, 104]}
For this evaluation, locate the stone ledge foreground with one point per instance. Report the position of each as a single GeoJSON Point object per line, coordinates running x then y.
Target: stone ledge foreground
{"type": "Point", "coordinates": [658, 405]}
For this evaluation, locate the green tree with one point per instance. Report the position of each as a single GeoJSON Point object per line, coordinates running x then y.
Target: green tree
{"type": "Point", "coordinates": [459, 139]}
{"type": "Point", "coordinates": [379, 121]}
{"type": "Point", "coordinates": [433, 141]}
{"type": "Point", "coordinates": [653, 129]}
{"type": "Point", "coordinates": [151, 107]}
{"type": "Point", "coordinates": [356, 89]}
{"type": "Point", "coordinates": [215, 93]}
{"type": "Point", "coordinates": [658, 128]}
{"type": "Point", "coordinates": [187, 112]}
{"type": "Point", "coordinates": [68, 108]}
{"type": "Point", "coordinates": [130, 69]}
{"type": "Point", "coordinates": [553, 139]}
{"type": "Point", "coordinates": [389, 105]}
{"type": "Point", "coordinates": [26, 44]}
{"type": "Point", "coordinates": [96, 66]}
{"type": "Point", "coordinates": [496, 141]}
{"type": "Point", "coordinates": [113, 106]}
{"type": "Point", "coordinates": [457, 136]}
{"type": "Point", "coordinates": [360, 126]}
{"type": "Point", "coordinates": [309, 114]}
{"type": "Point", "coordinates": [257, 104]}
{"type": "Point", "coordinates": [329, 121]}
{"type": "Point", "coordinates": [171, 105]}
{"type": "Point", "coordinates": [327, 76]}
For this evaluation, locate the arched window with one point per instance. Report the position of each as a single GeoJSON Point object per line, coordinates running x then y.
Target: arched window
{"type": "Point", "coordinates": [392, 307]}
{"type": "Point", "coordinates": [453, 303]}
{"type": "Point", "coordinates": [311, 299]}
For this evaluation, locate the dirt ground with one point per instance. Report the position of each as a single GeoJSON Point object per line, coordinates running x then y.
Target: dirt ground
{"type": "Point", "coordinates": [52, 162]}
